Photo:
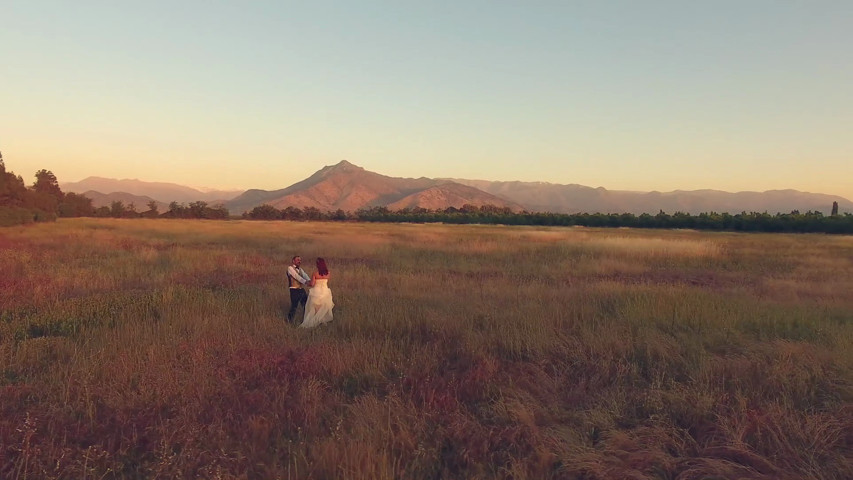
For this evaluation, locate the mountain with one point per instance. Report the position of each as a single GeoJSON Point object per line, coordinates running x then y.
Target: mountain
{"type": "Point", "coordinates": [447, 195]}
{"type": "Point", "coordinates": [162, 192]}
{"type": "Point", "coordinates": [349, 187]}
{"type": "Point", "coordinates": [551, 197]}
{"type": "Point", "coordinates": [139, 201]}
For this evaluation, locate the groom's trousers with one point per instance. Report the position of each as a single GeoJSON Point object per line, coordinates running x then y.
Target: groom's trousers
{"type": "Point", "coordinates": [297, 296]}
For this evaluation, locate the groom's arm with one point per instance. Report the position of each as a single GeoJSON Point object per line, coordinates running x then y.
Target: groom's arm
{"type": "Point", "coordinates": [298, 275]}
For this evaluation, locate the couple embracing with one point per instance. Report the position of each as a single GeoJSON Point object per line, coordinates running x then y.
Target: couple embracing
{"type": "Point", "coordinates": [317, 303]}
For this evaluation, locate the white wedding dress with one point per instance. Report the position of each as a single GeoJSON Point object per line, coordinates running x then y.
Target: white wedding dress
{"type": "Point", "coordinates": [318, 308]}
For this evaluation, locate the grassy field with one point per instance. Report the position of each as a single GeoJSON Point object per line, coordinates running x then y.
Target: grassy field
{"type": "Point", "coordinates": [159, 349]}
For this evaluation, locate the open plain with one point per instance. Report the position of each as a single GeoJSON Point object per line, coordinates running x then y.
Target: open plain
{"type": "Point", "coordinates": [159, 349]}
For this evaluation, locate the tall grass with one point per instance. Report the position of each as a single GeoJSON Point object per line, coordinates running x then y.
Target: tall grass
{"type": "Point", "coordinates": [159, 349]}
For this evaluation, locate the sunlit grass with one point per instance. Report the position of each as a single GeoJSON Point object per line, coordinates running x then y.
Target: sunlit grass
{"type": "Point", "coordinates": [660, 247]}
{"type": "Point", "coordinates": [158, 349]}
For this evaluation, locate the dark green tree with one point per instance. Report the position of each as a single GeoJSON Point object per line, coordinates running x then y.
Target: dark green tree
{"type": "Point", "coordinates": [312, 213]}
{"type": "Point", "coordinates": [153, 210]}
{"type": "Point", "coordinates": [176, 210]}
{"type": "Point", "coordinates": [265, 212]}
{"type": "Point", "coordinates": [13, 193]}
{"type": "Point", "coordinates": [74, 205]}
{"type": "Point", "coordinates": [117, 209]}
{"type": "Point", "coordinates": [291, 213]}
{"type": "Point", "coordinates": [46, 183]}
{"type": "Point", "coordinates": [198, 209]}
{"type": "Point", "coordinates": [217, 212]}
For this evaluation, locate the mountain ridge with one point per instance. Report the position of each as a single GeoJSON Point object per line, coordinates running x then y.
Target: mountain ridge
{"type": "Point", "coordinates": [349, 187]}
{"type": "Point", "coordinates": [159, 191]}
{"type": "Point", "coordinates": [574, 198]}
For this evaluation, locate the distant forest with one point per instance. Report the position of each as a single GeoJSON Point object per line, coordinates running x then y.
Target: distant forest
{"type": "Point", "coordinates": [794, 222]}
{"type": "Point", "coordinates": [45, 201]}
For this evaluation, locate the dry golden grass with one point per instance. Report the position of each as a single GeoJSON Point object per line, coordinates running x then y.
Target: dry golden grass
{"type": "Point", "coordinates": [158, 349]}
{"type": "Point", "coordinates": [659, 247]}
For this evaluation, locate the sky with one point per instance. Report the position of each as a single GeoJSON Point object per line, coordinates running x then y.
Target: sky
{"type": "Point", "coordinates": [626, 95]}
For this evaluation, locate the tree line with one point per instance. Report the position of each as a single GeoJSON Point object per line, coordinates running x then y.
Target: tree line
{"type": "Point", "coordinates": [794, 222]}
{"type": "Point", "coordinates": [45, 201]}
{"type": "Point", "coordinates": [200, 209]}
{"type": "Point", "coordinates": [42, 201]}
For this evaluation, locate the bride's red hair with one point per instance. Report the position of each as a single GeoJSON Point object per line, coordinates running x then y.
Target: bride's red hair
{"type": "Point", "coordinates": [321, 267]}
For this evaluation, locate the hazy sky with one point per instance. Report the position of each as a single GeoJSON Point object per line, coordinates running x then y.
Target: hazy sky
{"type": "Point", "coordinates": [636, 95]}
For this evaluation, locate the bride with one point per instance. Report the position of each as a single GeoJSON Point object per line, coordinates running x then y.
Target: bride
{"type": "Point", "coordinates": [318, 309]}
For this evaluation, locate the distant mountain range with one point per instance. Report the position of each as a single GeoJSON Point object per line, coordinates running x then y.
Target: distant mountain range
{"type": "Point", "coordinates": [550, 197]}
{"type": "Point", "coordinates": [349, 187]}
{"type": "Point", "coordinates": [161, 192]}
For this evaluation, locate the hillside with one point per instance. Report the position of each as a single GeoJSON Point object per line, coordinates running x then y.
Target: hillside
{"type": "Point", "coordinates": [342, 186]}
{"type": "Point", "coordinates": [454, 195]}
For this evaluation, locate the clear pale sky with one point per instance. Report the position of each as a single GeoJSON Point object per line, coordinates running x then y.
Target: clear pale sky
{"type": "Point", "coordinates": [629, 95]}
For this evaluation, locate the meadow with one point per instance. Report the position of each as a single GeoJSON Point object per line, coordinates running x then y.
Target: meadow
{"type": "Point", "coordinates": [159, 349]}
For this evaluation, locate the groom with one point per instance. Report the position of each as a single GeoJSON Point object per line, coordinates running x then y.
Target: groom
{"type": "Point", "coordinates": [296, 279]}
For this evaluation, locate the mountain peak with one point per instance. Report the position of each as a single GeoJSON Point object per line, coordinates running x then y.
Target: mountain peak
{"type": "Point", "coordinates": [341, 167]}
{"type": "Point", "coordinates": [345, 165]}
